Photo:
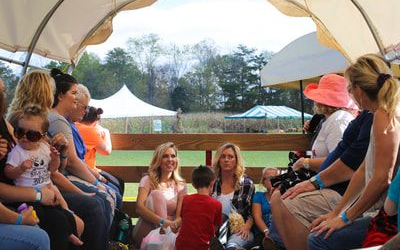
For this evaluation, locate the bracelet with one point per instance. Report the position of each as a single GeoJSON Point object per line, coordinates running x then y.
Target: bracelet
{"type": "Point", "coordinates": [19, 220]}
{"type": "Point", "coordinates": [162, 221]}
{"type": "Point", "coordinates": [96, 182]}
{"type": "Point", "coordinates": [266, 230]}
{"type": "Point", "coordinates": [38, 194]}
{"type": "Point", "coordinates": [318, 179]}
{"type": "Point", "coordinates": [344, 218]}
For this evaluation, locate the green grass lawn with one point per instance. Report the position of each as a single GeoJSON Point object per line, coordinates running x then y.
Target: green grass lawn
{"type": "Point", "coordinates": [187, 158]}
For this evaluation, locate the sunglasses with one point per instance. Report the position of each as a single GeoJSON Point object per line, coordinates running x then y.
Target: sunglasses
{"type": "Point", "coordinates": [31, 135]}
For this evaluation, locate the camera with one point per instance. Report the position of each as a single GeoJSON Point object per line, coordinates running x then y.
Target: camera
{"type": "Point", "coordinates": [291, 177]}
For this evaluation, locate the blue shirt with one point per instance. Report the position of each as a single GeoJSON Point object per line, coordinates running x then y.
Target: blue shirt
{"type": "Point", "coordinates": [352, 148]}
{"type": "Point", "coordinates": [394, 195]}
{"type": "Point", "coordinates": [259, 197]}
{"type": "Point", "coordinates": [80, 146]}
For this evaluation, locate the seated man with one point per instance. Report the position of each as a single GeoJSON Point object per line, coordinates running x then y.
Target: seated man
{"type": "Point", "coordinates": [294, 211]}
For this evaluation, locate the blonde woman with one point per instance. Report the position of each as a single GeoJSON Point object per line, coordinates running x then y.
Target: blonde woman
{"type": "Point", "coordinates": [375, 89]}
{"type": "Point", "coordinates": [235, 191]}
{"type": "Point", "coordinates": [261, 207]}
{"type": "Point", "coordinates": [160, 193]}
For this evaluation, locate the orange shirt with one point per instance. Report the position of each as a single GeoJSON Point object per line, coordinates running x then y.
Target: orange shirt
{"type": "Point", "coordinates": [92, 137]}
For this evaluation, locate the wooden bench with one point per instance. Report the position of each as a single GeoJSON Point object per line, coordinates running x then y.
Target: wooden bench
{"type": "Point", "coordinates": [200, 142]}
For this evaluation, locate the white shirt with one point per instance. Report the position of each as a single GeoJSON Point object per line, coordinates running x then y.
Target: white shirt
{"type": "Point", "coordinates": [38, 175]}
{"type": "Point", "coordinates": [331, 133]}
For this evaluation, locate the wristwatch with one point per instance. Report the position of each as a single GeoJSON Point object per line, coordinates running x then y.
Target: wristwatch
{"type": "Point", "coordinates": [314, 182]}
{"type": "Point", "coordinates": [306, 163]}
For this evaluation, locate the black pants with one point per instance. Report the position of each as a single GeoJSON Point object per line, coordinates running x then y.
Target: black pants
{"type": "Point", "coordinates": [58, 223]}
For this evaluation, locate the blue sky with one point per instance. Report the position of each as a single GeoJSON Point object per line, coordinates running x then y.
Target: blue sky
{"type": "Point", "coordinates": [254, 23]}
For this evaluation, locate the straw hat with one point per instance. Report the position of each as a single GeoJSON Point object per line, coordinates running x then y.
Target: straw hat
{"type": "Point", "coordinates": [331, 91]}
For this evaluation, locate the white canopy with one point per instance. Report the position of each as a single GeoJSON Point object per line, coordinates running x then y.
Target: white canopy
{"type": "Point", "coordinates": [125, 104]}
{"type": "Point", "coordinates": [59, 29]}
{"type": "Point", "coordinates": [302, 59]}
{"type": "Point", "coordinates": [354, 27]}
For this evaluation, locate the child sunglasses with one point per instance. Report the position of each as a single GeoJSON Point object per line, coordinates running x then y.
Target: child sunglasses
{"type": "Point", "coordinates": [31, 135]}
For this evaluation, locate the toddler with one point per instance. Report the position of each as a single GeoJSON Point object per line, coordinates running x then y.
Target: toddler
{"type": "Point", "coordinates": [32, 160]}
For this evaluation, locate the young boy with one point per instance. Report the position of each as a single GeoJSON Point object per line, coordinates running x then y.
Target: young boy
{"type": "Point", "coordinates": [32, 160]}
{"type": "Point", "coordinates": [200, 213]}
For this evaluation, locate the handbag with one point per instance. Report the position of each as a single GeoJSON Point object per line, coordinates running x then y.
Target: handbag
{"type": "Point", "coordinates": [157, 241]}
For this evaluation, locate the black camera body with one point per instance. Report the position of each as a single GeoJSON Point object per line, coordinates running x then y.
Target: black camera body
{"type": "Point", "coordinates": [291, 177]}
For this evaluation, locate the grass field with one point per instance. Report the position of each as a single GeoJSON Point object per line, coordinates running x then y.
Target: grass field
{"type": "Point", "coordinates": [187, 158]}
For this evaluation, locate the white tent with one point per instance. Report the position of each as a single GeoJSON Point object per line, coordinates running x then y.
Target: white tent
{"type": "Point", "coordinates": [302, 59]}
{"type": "Point", "coordinates": [125, 104]}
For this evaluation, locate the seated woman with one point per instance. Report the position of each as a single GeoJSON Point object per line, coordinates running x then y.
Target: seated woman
{"type": "Point", "coordinates": [17, 230]}
{"type": "Point", "coordinates": [261, 208]}
{"type": "Point", "coordinates": [332, 100]}
{"type": "Point", "coordinates": [76, 115]}
{"type": "Point", "coordinates": [235, 191]}
{"type": "Point", "coordinates": [160, 193]}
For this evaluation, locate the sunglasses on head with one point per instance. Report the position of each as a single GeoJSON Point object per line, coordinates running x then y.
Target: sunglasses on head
{"type": "Point", "coordinates": [31, 135]}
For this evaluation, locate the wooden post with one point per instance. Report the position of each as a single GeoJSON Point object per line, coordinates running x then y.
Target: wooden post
{"type": "Point", "coordinates": [208, 157]}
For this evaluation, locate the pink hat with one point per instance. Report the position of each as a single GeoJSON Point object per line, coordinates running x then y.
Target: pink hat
{"type": "Point", "coordinates": [331, 91]}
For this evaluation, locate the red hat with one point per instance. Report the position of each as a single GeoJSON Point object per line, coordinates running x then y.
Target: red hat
{"type": "Point", "coordinates": [331, 91]}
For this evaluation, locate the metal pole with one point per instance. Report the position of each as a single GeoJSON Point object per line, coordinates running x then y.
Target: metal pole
{"type": "Point", "coordinates": [302, 104]}
{"type": "Point", "coordinates": [38, 32]}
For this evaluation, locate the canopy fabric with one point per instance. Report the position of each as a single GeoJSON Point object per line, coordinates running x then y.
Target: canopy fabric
{"type": "Point", "coordinates": [125, 104]}
{"type": "Point", "coordinates": [303, 59]}
{"type": "Point", "coordinates": [353, 27]}
{"type": "Point", "coordinates": [270, 112]}
{"type": "Point", "coordinates": [62, 28]}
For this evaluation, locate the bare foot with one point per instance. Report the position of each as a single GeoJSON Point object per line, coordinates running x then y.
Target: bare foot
{"type": "Point", "coordinates": [75, 240]}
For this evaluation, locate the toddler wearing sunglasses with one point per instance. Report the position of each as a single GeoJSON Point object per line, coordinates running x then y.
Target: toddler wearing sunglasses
{"type": "Point", "coordinates": [32, 160]}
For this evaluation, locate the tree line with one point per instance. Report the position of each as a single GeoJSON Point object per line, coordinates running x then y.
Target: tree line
{"type": "Point", "coordinates": [192, 77]}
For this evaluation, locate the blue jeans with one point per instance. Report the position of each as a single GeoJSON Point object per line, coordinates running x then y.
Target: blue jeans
{"type": "Point", "coordinates": [92, 211]}
{"type": "Point", "coordinates": [273, 234]}
{"type": "Point", "coordinates": [349, 237]}
{"type": "Point", "coordinates": [118, 196]}
{"type": "Point", "coordinates": [21, 237]}
{"type": "Point", "coordinates": [105, 200]}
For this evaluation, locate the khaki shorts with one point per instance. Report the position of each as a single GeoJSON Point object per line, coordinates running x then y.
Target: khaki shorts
{"type": "Point", "coordinates": [308, 206]}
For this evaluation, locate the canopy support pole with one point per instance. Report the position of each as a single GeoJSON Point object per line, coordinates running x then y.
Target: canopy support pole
{"type": "Point", "coordinates": [38, 32]}
{"type": "Point", "coordinates": [302, 105]}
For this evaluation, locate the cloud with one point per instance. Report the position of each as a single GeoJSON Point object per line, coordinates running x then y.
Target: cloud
{"type": "Point", "coordinates": [254, 23]}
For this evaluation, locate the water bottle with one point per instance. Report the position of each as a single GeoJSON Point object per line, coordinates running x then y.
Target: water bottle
{"type": "Point", "coordinates": [123, 226]}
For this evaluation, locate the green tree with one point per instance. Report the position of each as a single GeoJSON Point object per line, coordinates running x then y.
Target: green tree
{"type": "Point", "coordinates": [146, 51]}
{"type": "Point", "coordinates": [121, 70]}
{"type": "Point", "coordinates": [10, 80]}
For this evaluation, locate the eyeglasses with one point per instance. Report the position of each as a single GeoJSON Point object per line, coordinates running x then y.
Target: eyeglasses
{"type": "Point", "coordinates": [31, 135]}
{"type": "Point", "coordinates": [85, 107]}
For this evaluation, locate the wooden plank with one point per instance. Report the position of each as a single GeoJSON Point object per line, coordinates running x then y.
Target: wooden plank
{"type": "Point", "coordinates": [246, 142]}
{"type": "Point", "coordinates": [134, 174]}
{"type": "Point", "coordinates": [129, 207]}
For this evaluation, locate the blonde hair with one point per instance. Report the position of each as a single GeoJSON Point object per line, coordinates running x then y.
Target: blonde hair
{"type": "Point", "coordinates": [323, 109]}
{"type": "Point", "coordinates": [365, 73]}
{"type": "Point", "coordinates": [155, 170]}
{"type": "Point", "coordinates": [36, 87]}
{"type": "Point", "coordinates": [268, 169]}
{"type": "Point", "coordinates": [240, 169]}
